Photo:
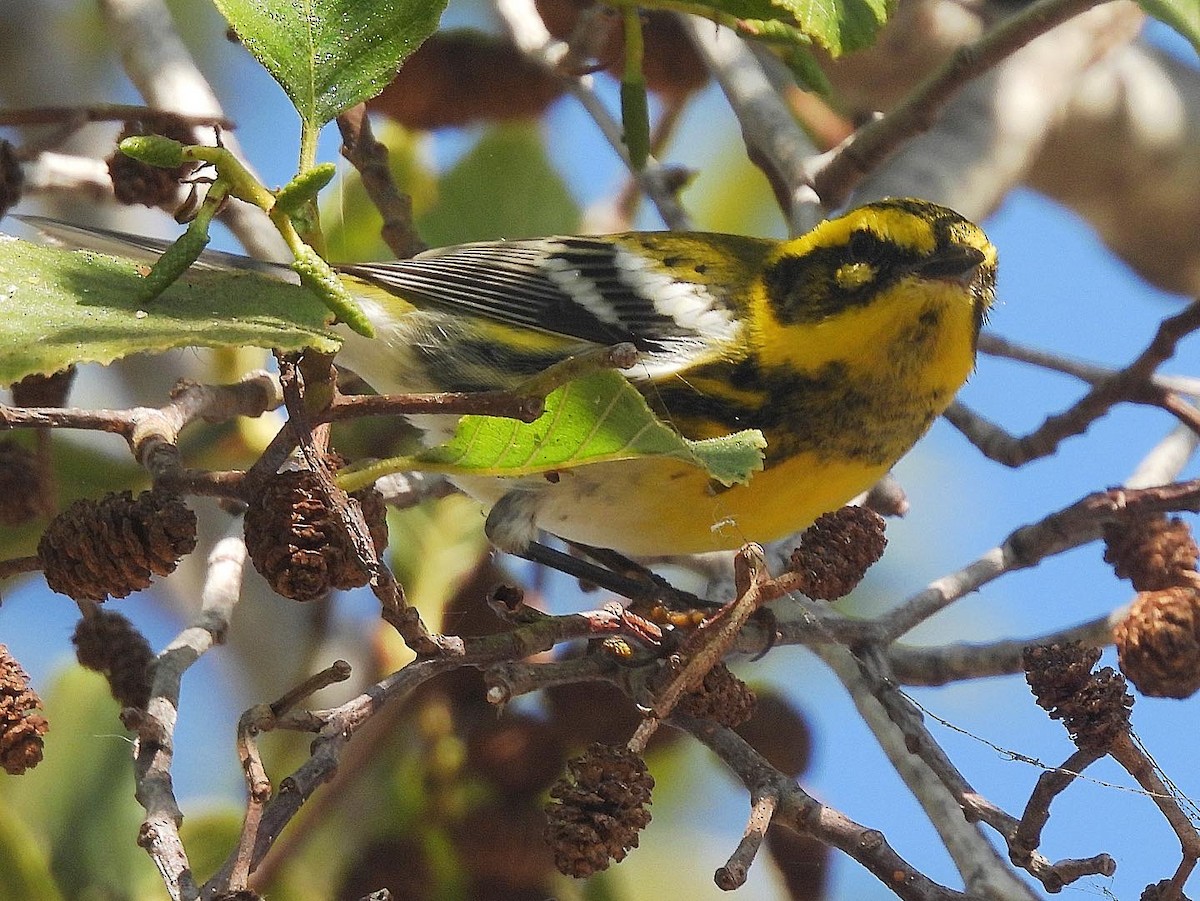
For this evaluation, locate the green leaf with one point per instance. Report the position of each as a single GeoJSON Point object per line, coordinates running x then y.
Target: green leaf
{"type": "Point", "coordinates": [837, 25]}
{"type": "Point", "coordinates": [730, 459]}
{"type": "Point", "coordinates": [1182, 15]}
{"type": "Point", "coordinates": [328, 55]}
{"type": "Point", "coordinates": [597, 418]}
{"type": "Point", "coordinates": [504, 188]}
{"type": "Point", "coordinates": [61, 307]}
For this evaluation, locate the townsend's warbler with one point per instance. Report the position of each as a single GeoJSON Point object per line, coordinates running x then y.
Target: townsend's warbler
{"type": "Point", "coordinates": [841, 346]}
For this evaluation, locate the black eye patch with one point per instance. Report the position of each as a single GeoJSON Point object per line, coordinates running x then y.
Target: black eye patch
{"type": "Point", "coordinates": [865, 246]}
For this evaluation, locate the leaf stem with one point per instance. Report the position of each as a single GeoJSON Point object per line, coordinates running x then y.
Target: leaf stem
{"type": "Point", "coordinates": [308, 147]}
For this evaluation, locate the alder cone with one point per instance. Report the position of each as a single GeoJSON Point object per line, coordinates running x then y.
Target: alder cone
{"type": "Point", "coordinates": [836, 551]}
{"type": "Point", "coordinates": [1094, 707]}
{"type": "Point", "coordinates": [111, 547]}
{"type": "Point", "coordinates": [299, 544]}
{"type": "Point", "coordinates": [598, 809]}
{"type": "Point", "coordinates": [1158, 642]}
{"type": "Point", "coordinates": [1153, 552]}
{"type": "Point", "coordinates": [21, 726]}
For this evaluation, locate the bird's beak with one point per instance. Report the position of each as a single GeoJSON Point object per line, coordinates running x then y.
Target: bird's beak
{"type": "Point", "coordinates": [953, 263]}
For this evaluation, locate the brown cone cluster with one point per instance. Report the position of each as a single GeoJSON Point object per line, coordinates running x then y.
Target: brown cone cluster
{"type": "Point", "coordinates": [722, 698]}
{"type": "Point", "coordinates": [21, 727]}
{"type": "Point", "coordinates": [836, 551]}
{"type": "Point", "coordinates": [1093, 706]}
{"type": "Point", "coordinates": [598, 809]}
{"type": "Point", "coordinates": [108, 643]}
{"type": "Point", "coordinates": [135, 182]}
{"type": "Point", "coordinates": [111, 547]}
{"type": "Point", "coordinates": [1153, 551]}
{"type": "Point", "coordinates": [1158, 641]}
{"type": "Point", "coordinates": [460, 77]}
{"type": "Point", "coordinates": [299, 544]}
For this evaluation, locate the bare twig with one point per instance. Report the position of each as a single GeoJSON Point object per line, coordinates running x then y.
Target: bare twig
{"type": "Point", "coordinates": [1068, 528]}
{"type": "Point", "coordinates": [78, 116]}
{"type": "Point", "coordinates": [956, 662]}
{"type": "Point", "coordinates": [737, 868]}
{"type": "Point", "coordinates": [941, 789]}
{"type": "Point", "coordinates": [258, 719]}
{"type": "Point", "coordinates": [798, 810]}
{"type": "Point", "coordinates": [512, 679]}
{"type": "Point", "coordinates": [154, 749]}
{"type": "Point", "coordinates": [1136, 762]}
{"type": "Point", "coordinates": [19, 565]}
{"type": "Point", "coordinates": [1028, 834]}
{"type": "Point", "coordinates": [338, 726]}
{"type": "Point", "coordinates": [1133, 384]}
{"type": "Point", "coordinates": [370, 158]}
{"type": "Point", "coordinates": [996, 346]}
{"type": "Point", "coordinates": [153, 433]}
{"type": "Point", "coordinates": [455, 403]}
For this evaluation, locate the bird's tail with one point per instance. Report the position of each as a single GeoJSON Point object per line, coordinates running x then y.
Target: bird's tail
{"type": "Point", "coordinates": [137, 247]}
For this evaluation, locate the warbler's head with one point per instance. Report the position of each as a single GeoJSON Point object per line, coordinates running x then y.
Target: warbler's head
{"type": "Point", "coordinates": [855, 260]}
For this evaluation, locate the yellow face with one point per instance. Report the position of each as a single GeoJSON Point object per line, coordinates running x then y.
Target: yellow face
{"type": "Point", "coordinates": [858, 283]}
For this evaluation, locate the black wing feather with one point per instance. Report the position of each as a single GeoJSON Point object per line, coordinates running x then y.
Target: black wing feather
{"type": "Point", "coordinates": [529, 284]}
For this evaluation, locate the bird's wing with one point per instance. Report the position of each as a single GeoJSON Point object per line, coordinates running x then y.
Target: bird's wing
{"type": "Point", "coordinates": [602, 290]}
